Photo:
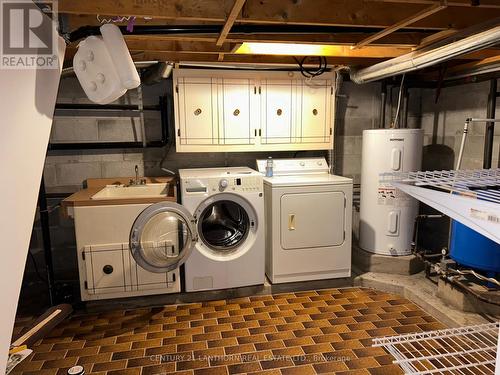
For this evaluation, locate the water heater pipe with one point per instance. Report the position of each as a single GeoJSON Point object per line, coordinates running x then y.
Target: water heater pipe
{"type": "Point", "coordinates": [464, 136]}
{"type": "Point", "coordinates": [431, 55]}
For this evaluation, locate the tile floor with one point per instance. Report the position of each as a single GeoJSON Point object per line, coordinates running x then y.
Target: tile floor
{"type": "Point", "coordinates": [312, 332]}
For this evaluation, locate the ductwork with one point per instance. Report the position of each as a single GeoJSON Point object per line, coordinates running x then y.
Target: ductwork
{"type": "Point", "coordinates": [465, 42]}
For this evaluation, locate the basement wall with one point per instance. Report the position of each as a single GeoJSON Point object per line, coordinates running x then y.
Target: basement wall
{"type": "Point", "coordinates": [443, 122]}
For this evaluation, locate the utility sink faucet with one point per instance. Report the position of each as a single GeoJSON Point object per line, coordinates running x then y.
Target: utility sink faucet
{"type": "Point", "coordinates": [137, 181]}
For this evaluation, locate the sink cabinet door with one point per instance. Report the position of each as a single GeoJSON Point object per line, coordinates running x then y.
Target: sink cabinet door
{"type": "Point", "coordinates": [146, 280]}
{"type": "Point", "coordinates": [112, 269]}
{"type": "Point", "coordinates": [107, 268]}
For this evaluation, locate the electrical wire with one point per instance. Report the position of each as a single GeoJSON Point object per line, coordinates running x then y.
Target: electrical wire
{"type": "Point", "coordinates": [117, 19]}
{"type": "Point", "coordinates": [311, 72]}
{"type": "Point", "coordinates": [396, 117]}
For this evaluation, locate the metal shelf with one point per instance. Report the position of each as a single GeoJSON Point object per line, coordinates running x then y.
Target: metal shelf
{"type": "Point", "coordinates": [471, 197]}
{"type": "Point", "coordinates": [465, 350]}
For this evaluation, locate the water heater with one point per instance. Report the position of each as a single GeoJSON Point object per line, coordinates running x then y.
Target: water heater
{"type": "Point", "coordinates": [387, 215]}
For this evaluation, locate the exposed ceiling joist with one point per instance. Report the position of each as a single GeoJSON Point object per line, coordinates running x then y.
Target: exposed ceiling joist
{"type": "Point", "coordinates": [493, 4]}
{"type": "Point", "coordinates": [493, 61]}
{"type": "Point", "coordinates": [311, 12]}
{"type": "Point", "coordinates": [399, 39]}
{"type": "Point", "coordinates": [260, 59]}
{"type": "Point", "coordinates": [238, 4]}
{"type": "Point", "coordinates": [436, 37]}
{"type": "Point", "coordinates": [209, 48]}
{"type": "Point", "coordinates": [403, 23]}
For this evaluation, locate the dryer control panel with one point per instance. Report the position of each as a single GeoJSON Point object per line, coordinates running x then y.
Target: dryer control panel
{"type": "Point", "coordinates": [294, 167]}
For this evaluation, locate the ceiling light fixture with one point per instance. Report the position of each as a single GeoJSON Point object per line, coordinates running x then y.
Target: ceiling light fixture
{"type": "Point", "coordinates": [291, 49]}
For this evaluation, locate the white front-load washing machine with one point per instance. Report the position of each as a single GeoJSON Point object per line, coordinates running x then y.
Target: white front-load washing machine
{"type": "Point", "coordinates": [218, 232]}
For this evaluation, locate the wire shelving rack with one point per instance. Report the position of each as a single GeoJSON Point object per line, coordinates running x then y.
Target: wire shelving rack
{"type": "Point", "coordinates": [465, 351]}
{"type": "Point", "coordinates": [471, 197]}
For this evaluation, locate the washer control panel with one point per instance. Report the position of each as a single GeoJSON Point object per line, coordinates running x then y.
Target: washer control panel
{"type": "Point", "coordinates": [229, 184]}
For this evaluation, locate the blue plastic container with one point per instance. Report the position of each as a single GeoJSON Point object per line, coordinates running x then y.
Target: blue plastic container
{"type": "Point", "coordinates": [471, 249]}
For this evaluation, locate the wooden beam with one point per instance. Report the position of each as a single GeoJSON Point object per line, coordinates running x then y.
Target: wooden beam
{"type": "Point", "coordinates": [173, 45]}
{"type": "Point", "coordinates": [397, 40]}
{"type": "Point", "coordinates": [403, 23]}
{"type": "Point", "coordinates": [489, 61]}
{"type": "Point", "coordinates": [141, 43]}
{"type": "Point", "coordinates": [400, 39]}
{"type": "Point", "coordinates": [210, 48]}
{"type": "Point", "coordinates": [243, 59]}
{"type": "Point", "coordinates": [358, 13]}
{"type": "Point", "coordinates": [436, 37]}
{"type": "Point", "coordinates": [462, 69]}
{"type": "Point", "coordinates": [236, 9]}
{"type": "Point", "coordinates": [492, 4]}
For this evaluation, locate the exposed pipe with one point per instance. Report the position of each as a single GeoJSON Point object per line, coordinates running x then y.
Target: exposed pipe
{"type": "Point", "coordinates": [47, 246]}
{"type": "Point", "coordinates": [490, 125]}
{"type": "Point", "coordinates": [464, 138]}
{"type": "Point", "coordinates": [395, 123]}
{"type": "Point", "coordinates": [404, 112]}
{"type": "Point", "coordinates": [462, 145]}
{"type": "Point", "coordinates": [449, 48]}
{"type": "Point", "coordinates": [383, 101]}
{"type": "Point", "coordinates": [85, 31]}
{"type": "Point", "coordinates": [453, 279]}
{"type": "Point", "coordinates": [69, 71]}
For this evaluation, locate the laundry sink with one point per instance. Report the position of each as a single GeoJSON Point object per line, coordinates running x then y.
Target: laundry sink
{"type": "Point", "coordinates": [155, 190]}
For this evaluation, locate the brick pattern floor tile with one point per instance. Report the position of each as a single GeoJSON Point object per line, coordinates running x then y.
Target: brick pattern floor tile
{"type": "Point", "coordinates": [313, 332]}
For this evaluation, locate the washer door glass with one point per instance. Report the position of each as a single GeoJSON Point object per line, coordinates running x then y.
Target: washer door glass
{"type": "Point", "coordinates": [162, 237]}
{"type": "Point", "coordinates": [223, 225]}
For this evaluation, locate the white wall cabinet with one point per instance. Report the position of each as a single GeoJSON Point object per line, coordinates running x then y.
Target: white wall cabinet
{"type": "Point", "coordinates": [224, 111]}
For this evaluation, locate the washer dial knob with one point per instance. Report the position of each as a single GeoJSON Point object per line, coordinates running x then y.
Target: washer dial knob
{"type": "Point", "coordinates": [223, 184]}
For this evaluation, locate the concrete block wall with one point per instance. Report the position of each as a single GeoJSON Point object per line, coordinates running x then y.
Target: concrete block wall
{"type": "Point", "coordinates": [358, 109]}
{"type": "Point", "coordinates": [443, 123]}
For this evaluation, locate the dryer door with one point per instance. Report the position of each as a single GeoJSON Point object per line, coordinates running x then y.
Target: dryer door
{"type": "Point", "coordinates": [162, 237]}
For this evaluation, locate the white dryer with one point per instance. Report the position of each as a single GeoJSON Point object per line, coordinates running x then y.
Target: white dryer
{"type": "Point", "coordinates": [308, 221]}
{"type": "Point", "coordinates": [219, 228]}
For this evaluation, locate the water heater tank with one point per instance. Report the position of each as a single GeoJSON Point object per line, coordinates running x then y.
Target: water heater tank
{"type": "Point", "coordinates": [387, 215]}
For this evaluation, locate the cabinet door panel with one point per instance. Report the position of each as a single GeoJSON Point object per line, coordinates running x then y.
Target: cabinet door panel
{"type": "Point", "coordinates": [105, 270]}
{"type": "Point", "coordinates": [235, 115]}
{"type": "Point", "coordinates": [315, 111]}
{"type": "Point", "coordinates": [198, 111]}
{"type": "Point", "coordinates": [278, 111]}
